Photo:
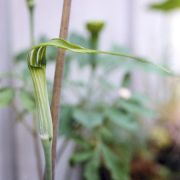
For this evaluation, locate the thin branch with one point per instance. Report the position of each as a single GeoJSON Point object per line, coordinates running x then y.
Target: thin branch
{"type": "Point", "coordinates": [58, 78]}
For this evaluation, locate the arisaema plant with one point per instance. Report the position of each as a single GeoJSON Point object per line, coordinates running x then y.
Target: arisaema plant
{"type": "Point", "coordinates": [37, 66]}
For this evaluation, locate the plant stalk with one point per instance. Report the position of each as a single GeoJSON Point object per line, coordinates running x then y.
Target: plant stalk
{"type": "Point", "coordinates": [31, 19]}
{"type": "Point", "coordinates": [93, 45]}
{"type": "Point", "coordinates": [48, 151]}
{"type": "Point", "coordinates": [37, 151]}
{"type": "Point", "coordinates": [58, 79]}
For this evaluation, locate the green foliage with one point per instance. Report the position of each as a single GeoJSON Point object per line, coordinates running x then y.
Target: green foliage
{"type": "Point", "coordinates": [27, 100]}
{"type": "Point", "coordinates": [106, 128]}
{"type": "Point", "coordinates": [92, 167]}
{"type": "Point", "coordinates": [122, 120]}
{"type": "Point", "coordinates": [67, 120]}
{"type": "Point", "coordinates": [118, 165]}
{"type": "Point", "coordinates": [80, 157]}
{"type": "Point", "coordinates": [166, 6]}
{"type": "Point", "coordinates": [88, 119]}
{"type": "Point", "coordinates": [6, 96]}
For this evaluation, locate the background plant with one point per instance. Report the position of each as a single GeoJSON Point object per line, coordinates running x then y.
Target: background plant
{"type": "Point", "coordinates": [106, 117]}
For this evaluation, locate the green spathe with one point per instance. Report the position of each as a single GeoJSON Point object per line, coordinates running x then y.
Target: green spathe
{"type": "Point", "coordinates": [95, 27]}
{"type": "Point", "coordinates": [44, 121]}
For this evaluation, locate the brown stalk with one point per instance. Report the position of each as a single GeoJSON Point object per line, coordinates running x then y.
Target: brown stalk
{"type": "Point", "coordinates": [55, 104]}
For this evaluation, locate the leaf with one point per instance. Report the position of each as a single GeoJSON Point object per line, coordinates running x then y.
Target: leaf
{"type": "Point", "coordinates": [27, 100]}
{"type": "Point", "coordinates": [81, 157]}
{"type": "Point", "coordinates": [135, 108]}
{"type": "Point", "coordinates": [126, 80]}
{"type": "Point", "coordinates": [89, 119]}
{"type": "Point", "coordinates": [166, 6]}
{"type": "Point", "coordinates": [92, 167]}
{"type": "Point", "coordinates": [6, 96]}
{"type": "Point", "coordinates": [122, 120]}
{"type": "Point", "coordinates": [22, 55]}
{"type": "Point", "coordinates": [37, 54]}
{"type": "Point", "coordinates": [66, 120]}
{"type": "Point", "coordinates": [140, 99]}
{"type": "Point", "coordinates": [81, 142]}
{"type": "Point", "coordinates": [119, 169]}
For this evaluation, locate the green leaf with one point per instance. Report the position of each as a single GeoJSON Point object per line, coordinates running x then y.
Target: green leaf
{"type": "Point", "coordinates": [166, 6]}
{"type": "Point", "coordinates": [135, 108]}
{"type": "Point", "coordinates": [122, 120]}
{"type": "Point", "coordinates": [36, 56]}
{"type": "Point", "coordinates": [92, 167]}
{"type": "Point", "coordinates": [81, 157]}
{"type": "Point", "coordinates": [140, 99]}
{"type": "Point", "coordinates": [81, 142]}
{"type": "Point", "coordinates": [6, 96]}
{"type": "Point", "coordinates": [89, 119]}
{"type": "Point", "coordinates": [27, 100]}
{"type": "Point", "coordinates": [22, 55]}
{"type": "Point", "coordinates": [126, 80]}
{"type": "Point", "coordinates": [66, 120]}
{"type": "Point", "coordinates": [119, 169]}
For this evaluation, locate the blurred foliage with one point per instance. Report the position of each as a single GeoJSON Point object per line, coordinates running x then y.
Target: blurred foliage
{"type": "Point", "coordinates": [6, 96]}
{"type": "Point", "coordinates": [105, 121]}
{"type": "Point", "coordinates": [166, 6]}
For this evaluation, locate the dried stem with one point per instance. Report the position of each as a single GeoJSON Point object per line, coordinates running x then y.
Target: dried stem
{"type": "Point", "coordinates": [58, 78]}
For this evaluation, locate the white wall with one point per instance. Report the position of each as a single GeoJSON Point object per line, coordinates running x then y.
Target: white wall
{"type": "Point", "coordinates": [48, 14]}
{"type": "Point", "coordinates": [8, 169]}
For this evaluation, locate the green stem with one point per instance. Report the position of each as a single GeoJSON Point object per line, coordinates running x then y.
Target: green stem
{"type": "Point", "coordinates": [47, 145]}
{"type": "Point", "coordinates": [93, 45]}
{"type": "Point", "coordinates": [31, 21]}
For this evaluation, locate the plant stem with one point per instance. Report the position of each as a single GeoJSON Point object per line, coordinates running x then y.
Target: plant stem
{"type": "Point", "coordinates": [93, 41]}
{"type": "Point", "coordinates": [37, 151]}
{"type": "Point", "coordinates": [93, 45]}
{"type": "Point", "coordinates": [31, 19]}
{"type": "Point", "coordinates": [48, 151]}
{"type": "Point", "coordinates": [58, 78]}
